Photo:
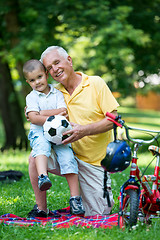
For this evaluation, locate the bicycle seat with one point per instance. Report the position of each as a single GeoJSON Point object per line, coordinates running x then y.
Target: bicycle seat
{"type": "Point", "coordinates": [154, 149]}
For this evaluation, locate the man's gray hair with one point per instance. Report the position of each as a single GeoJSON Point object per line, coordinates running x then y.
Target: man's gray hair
{"type": "Point", "coordinates": [60, 50]}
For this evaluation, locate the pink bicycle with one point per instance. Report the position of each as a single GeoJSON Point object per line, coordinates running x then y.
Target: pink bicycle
{"type": "Point", "coordinates": [139, 197]}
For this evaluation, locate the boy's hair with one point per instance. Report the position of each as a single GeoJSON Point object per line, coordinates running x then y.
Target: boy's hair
{"type": "Point", "coordinates": [60, 50]}
{"type": "Point", "coordinates": [31, 65]}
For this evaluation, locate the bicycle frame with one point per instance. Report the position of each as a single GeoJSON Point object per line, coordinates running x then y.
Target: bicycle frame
{"type": "Point", "coordinates": [131, 183]}
{"type": "Point", "coordinates": [148, 200]}
{"type": "Point", "coordinates": [150, 194]}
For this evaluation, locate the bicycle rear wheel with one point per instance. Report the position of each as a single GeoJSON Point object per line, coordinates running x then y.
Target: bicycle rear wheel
{"type": "Point", "coordinates": [128, 216]}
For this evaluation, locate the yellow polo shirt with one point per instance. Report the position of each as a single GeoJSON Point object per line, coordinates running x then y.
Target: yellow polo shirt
{"type": "Point", "coordinates": [88, 104]}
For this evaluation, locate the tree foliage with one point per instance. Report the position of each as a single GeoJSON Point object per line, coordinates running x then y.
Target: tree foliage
{"type": "Point", "coordinates": [113, 39]}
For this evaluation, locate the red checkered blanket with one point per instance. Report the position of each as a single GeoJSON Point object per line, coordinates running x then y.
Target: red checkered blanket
{"type": "Point", "coordinates": [66, 220]}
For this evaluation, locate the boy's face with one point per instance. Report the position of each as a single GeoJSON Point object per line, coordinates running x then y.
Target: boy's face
{"type": "Point", "coordinates": [37, 79]}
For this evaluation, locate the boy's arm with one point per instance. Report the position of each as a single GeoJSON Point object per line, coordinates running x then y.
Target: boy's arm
{"type": "Point", "coordinates": [39, 118]}
{"type": "Point", "coordinates": [61, 111]}
{"type": "Point", "coordinates": [36, 118]}
{"type": "Point", "coordinates": [51, 112]}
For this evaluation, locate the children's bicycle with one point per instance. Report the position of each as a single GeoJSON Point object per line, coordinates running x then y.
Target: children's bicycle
{"type": "Point", "coordinates": [139, 197]}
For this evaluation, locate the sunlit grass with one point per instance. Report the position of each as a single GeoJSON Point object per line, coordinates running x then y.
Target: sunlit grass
{"type": "Point", "coordinates": [18, 197]}
{"type": "Point", "coordinates": [14, 159]}
{"type": "Point", "coordinates": [140, 118]}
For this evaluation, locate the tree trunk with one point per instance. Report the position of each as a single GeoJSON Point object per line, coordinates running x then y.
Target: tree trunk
{"type": "Point", "coordinates": [11, 111]}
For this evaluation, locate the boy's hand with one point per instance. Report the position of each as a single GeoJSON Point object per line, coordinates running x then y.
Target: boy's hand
{"type": "Point", "coordinates": [65, 114]}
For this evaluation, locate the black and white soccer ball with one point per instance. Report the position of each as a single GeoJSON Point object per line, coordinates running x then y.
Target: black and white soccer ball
{"type": "Point", "coordinates": [54, 127]}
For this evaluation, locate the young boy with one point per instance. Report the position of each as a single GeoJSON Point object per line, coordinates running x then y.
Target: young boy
{"type": "Point", "coordinates": [39, 102]}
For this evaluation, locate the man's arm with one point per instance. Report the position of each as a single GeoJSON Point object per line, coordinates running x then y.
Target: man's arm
{"type": "Point", "coordinates": [80, 131]}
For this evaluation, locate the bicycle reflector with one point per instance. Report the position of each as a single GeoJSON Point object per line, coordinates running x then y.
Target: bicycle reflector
{"type": "Point", "coordinates": [118, 157]}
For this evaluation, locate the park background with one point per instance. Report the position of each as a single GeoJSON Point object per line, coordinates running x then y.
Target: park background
{"type": "Point", "coordinates": [117, 40]}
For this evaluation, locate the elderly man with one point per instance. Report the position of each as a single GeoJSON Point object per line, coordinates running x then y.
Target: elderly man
{"type": "Point", "coordinates": [88, 98]}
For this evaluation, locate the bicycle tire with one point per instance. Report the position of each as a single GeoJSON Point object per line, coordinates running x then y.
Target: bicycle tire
{"type": "Point", "coordinates": [128, 216]}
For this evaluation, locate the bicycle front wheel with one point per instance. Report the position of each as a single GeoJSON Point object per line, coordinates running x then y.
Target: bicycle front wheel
{"type": "Point", "coordinates": [128, 216]}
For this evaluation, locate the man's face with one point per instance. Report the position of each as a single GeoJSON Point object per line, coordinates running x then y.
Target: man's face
{"type": "Point", "coordinates": [58, 66]}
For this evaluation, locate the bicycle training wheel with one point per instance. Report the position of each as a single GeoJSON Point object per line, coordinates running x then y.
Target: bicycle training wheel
{"type": "Point", "coordinates": [128, 216]}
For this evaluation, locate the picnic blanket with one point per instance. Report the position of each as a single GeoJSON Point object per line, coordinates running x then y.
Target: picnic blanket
{"type": "Point", "coordinates": [65, 220]}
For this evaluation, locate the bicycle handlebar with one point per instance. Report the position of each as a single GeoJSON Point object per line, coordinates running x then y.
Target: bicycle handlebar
{"type": "Point", "coordinates": [121, 123]}
{"type": "Point", "coordinates": [114, 119]}
{"type": "Point", "coordinates": [112, 116]}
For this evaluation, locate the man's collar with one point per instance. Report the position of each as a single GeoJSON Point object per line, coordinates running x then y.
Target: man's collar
{"type": "Point", "coordinates": [84, 82]}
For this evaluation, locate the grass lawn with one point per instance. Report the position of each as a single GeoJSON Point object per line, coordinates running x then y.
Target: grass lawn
{"type": "Point", "coordinates": [18, 197]}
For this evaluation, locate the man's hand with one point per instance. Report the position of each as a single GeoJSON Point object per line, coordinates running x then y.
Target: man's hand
{"type": "Point", "coordinates": [76, 133]}
{"type": "Point", "coordinates": [79, 131]}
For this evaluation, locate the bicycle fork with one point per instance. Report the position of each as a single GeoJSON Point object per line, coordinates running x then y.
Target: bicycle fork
{"type": "Point", "coordinates": [131, 183]}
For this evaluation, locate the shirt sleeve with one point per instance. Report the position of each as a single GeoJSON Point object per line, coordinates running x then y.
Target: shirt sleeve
{"type": "Point", "coordinates": [106, 100]}
{"type": "Point", "coordinates": [32, 103]}
{"type": "Point", "coordinates": [60, 100]}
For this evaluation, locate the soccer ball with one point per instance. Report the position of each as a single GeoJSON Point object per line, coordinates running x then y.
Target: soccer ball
{"type": "Point", "coordinates": [54, 127]}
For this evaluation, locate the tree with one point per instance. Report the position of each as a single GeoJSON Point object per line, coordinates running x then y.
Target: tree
{"type": "Point", "coordinates": [121, 39]}
{"type": "Point", "coordinates": [113, 39]}
{"type": "Point", "coordinates": [11, 111]}
{"type": "Point", "coordinates": [9, 104]}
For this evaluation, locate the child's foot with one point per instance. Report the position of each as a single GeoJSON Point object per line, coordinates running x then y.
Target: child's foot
{"type": "Point", "coordinates": [76, 206]}
{"type": "Point", "coordinates": [44, 183]}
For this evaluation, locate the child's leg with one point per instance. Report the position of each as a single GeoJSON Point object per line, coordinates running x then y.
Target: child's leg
{"type": "Point", "coordinates": [66, 159]}
{"type": "Point", "coordinates": [75, 202]}
{"type": "Point", "coordinates": [44, 182]}
{"type": "Point", "coordinates": [41, 164]}
{"type": "Point", "coordinates": [41, 150]}
{"type": "Point", "coordinates": [73, 183]}
{"type": "Point", "coordinates": [69, 168]}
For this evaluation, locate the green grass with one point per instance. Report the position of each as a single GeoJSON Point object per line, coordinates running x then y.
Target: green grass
{"type": "Point", "coordinates": [141, 118]}
{"type": "Point", "coordinates": [18, 197]}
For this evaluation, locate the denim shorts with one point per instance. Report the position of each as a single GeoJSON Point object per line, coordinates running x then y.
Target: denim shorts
{"type": "Point", "coordinates": [64, 153]}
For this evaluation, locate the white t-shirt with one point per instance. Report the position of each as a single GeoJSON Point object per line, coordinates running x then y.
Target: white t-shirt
{"type": "Point", "coordinates": [37, 101]}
